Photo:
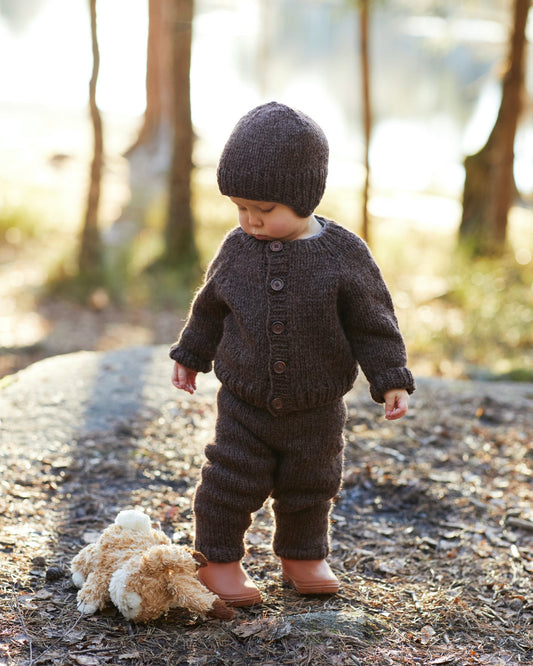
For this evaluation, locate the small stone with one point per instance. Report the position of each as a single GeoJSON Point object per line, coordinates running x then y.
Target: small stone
{"type": "Point", "coordinates": [54, 573]}
{"type": "Point", "coordinates": [39, 561]}
{"type": "Point", "coordinates": [517, 604]}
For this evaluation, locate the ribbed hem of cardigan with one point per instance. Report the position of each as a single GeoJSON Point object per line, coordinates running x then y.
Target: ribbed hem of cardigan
{"type": "Point", "coordinates": [394, 378]}
{"type": "Point", "coordinates": [189, 360]}
{"type": "Point", "coordinates": [260, 395]}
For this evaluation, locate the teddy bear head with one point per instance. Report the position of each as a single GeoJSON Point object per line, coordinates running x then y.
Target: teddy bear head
{"type": "Point", "coordinates": [149, 585]}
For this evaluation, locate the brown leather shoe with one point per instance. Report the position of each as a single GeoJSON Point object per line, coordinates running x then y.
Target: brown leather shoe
{"type": "Point", "coordinates": [310, 576]}
{"type": "Point", "coordinates": [230, 582]}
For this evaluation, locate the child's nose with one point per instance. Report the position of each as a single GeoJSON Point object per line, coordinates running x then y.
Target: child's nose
{"type": "Point", "coordinates": [255, 220]}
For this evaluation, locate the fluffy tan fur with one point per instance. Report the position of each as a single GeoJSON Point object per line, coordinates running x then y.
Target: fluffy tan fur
{"type": "Point", "coordinates": [142, 573]}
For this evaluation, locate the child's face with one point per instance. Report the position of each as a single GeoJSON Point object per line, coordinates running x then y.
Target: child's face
{"type": "Point", "coordinates": [266, 220]}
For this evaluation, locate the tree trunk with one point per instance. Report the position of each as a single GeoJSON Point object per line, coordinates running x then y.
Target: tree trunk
{"type": "Point", "coordinates": [90, 257]}
{"type": "Point", "coordinates": [158, 74]}
{"type": "Point", "coordinates": [263, 47]}
{"type": "Point", "coordinates": [367, 112]}
{"type": "Point", "coordinates": [180, 247]}
{"type": "Point", "coordinates": [150, 156]}
{"type": "Point", "coordinates": [489, 181]}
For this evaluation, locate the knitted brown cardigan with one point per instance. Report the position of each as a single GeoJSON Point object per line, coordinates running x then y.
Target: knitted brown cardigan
{"type": "Point", "coordinates": [288, 323]}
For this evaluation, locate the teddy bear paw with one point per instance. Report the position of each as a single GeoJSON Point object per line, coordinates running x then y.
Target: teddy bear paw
{"type": "Point", "coordinates": [87, 607]}
{"type": "Point", "coordinates": [220, 611]}
{"type": "Point", "coordinates": [129, 604]}
{"type": "Point", "coordinates": [78, 578]}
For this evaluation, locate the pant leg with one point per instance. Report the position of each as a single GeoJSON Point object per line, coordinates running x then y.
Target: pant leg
{"type": "Point", "coordinates": [237, 478]}
{"type": "Point", "coordinates": [308, 476]}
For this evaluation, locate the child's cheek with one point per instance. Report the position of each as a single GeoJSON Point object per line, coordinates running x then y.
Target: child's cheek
{"type": "Point", "coordinates": [243, 221]}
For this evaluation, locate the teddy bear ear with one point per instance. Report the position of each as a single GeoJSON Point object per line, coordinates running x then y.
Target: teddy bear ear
{"type": "Point", "coordinates": [202, 562]}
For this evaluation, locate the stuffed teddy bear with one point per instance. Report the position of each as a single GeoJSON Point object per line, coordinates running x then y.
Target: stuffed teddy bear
{"type": "Point", "coordinates": [142, 573]}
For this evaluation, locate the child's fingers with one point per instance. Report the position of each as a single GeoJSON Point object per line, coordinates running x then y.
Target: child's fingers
{"type": "Point", "coordinates": [395, 406]}
{"type": "Point", "coordinates": [185, 386]}
{"type": "Point", "coordinates": [183, 379]}
{"type": "Point", "coordinates": [177, 381]}
{"type": "Point", "coordinates": [394, 413]}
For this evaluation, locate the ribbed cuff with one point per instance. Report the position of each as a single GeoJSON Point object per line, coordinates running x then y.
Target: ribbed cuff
{"type": "Point", "coordinates": [394, 378]}
{"type": "Point", "coordinates": [189, 360]}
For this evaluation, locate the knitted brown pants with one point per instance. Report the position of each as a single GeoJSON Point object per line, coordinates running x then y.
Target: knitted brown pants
{"type": "Point", "coordinates": [297, 458]}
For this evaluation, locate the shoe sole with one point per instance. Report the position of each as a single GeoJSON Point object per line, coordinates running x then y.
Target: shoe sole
{"type": "Point", "coordinates": [241, 602]}
{"type": "Point", "coordinates": [236, 601]}
{"type": "Point", "coordinates": [324, 587]}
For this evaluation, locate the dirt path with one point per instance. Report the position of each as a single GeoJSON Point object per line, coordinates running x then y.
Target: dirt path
{"type": "Point", "coordinates": [432, 534]}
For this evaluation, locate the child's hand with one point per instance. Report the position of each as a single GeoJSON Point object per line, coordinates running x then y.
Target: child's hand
{"type": "Point", "coordinates": [396, 402]}
{"type": "Point", "coordinates": [184, 378]}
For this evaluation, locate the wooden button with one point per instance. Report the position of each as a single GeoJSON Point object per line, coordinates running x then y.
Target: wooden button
{"type": "Point", "coordinates": [278, 327]}
{"type": "Point", "coordinates": [276, 246]}
{"type": "Point", "coordinates": [277, 284]}
{"type": "Point", "coordinates": [279, 367]}
{"type": "Point", "coordinates": [277, 403]}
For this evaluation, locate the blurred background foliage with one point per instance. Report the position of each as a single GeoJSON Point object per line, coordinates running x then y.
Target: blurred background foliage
{"type": "Point", "coordinates": [169, 80]}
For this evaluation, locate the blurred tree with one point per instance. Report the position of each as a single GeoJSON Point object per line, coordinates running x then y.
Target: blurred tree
{"type": "Point", "coordinates": [367, 110]}
{"type": "Point", "coordinates": [180, 247]}
{"type": "Point", "coordinates": [158, 76]}
{"type": "Point", "coordinates": [90, 251]}
{"type": "Point", "coordinates": [161, 157]}
{"type": "Point", "coordinates": [489, 182]}
{"type": "Point", "coordinates": [362, 8]}
{"type": "Point", "coordinates": [263, 47]}
{"type": "Point", "coordinates": [150, 155]}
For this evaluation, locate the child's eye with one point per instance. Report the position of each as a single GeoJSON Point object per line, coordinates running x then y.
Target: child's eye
{"type": "Point", "coordinates": [268, 210]}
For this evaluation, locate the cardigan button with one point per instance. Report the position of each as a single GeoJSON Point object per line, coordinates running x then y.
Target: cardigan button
{"type": "Point", "coordinates": [277, 284]}
{"type": "Point", "coordinates": [276, 246]}
{"type": "Point", "coordinates": [277, 403]}
{"type": "Point", "coordinates": [278, 327]}
{"type": "Point", "coordinates": [279, 367]}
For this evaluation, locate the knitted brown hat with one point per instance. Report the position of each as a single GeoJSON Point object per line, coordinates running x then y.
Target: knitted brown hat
{"type": "Point", "coordinates": [275, 153]}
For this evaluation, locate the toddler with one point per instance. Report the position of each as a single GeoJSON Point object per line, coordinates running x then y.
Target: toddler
{"type": "Point", "coordinates": [291, 306]}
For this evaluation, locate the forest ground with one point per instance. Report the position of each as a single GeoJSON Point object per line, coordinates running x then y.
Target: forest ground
{"type": "Point", "coordinates": [432, 534]}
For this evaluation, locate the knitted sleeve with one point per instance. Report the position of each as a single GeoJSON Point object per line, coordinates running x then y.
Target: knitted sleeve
{"type": "Point", "coordinates": [370, 324]}
{"type": "Point", "coordinates": [198, 341]}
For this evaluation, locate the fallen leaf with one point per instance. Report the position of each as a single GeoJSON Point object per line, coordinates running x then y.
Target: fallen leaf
{"type": "Point", "coordinates": [255, 539]}
{"type": "Point", "coordinates": [279, 630]}
{"type": "Point", "coordinates": [85, 660]}
{"type": "Point", "coordinates": [426, 634]}
{"type": "Point", "coordinates": [483, 549]}
{"type": "Point", "coordinates": [445, 659]}
{"type": "Point", "coordinates": [28, 603]}
{"type": "Point", "coordinates": [43, 594]}
{"type": "Point", "coordinates": [248, 628]}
